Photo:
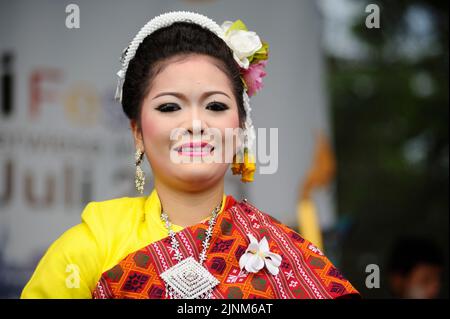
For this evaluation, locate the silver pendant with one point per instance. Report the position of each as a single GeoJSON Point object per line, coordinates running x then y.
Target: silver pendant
{"type": "Point", "coordinates": [189, 280]}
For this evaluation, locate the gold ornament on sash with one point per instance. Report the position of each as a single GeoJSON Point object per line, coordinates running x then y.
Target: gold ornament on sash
{"type": "Point", "coordinates": [245, 165]}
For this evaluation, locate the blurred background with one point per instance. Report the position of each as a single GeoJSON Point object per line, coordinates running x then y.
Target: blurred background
{"type": "Point", "coordinates": [358, 91]}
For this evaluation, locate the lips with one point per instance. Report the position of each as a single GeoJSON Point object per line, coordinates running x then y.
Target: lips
{"type": "Point", "coordinates": [195, 149]}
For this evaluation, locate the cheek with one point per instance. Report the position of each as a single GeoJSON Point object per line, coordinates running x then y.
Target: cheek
{"type": "Point", "coordinates": [149, 128]}
{"type": "Point", "coordinates": [154, 129]}
{"type": "Point", "coordinates": [231, 121]}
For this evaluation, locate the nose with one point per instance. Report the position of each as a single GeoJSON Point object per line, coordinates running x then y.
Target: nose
{"type": "Point", "coordinates": [196, 124]}
{"type": "Point", "coordinates": [196, 127]}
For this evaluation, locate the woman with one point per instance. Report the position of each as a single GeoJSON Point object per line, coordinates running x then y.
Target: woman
{"type": "Point", "coordinates": [183, 77]}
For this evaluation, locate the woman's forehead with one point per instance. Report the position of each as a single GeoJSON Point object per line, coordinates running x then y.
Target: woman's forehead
{"type": "Point", "coordinates": [191, 72]}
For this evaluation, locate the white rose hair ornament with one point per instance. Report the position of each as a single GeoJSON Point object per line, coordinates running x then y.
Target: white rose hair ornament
{"type": "Point", "coordinates": [249, 52]}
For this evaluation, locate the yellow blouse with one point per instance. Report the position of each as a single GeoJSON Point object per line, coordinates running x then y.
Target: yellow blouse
{"type": "Point", "coordinates": [108, 232]}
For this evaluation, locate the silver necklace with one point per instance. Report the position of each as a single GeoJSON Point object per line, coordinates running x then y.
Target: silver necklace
{"type": "Point", "coordinates": [189, 279]}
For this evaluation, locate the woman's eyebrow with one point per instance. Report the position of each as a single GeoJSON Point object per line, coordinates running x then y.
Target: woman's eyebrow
{"type": "Point", "coordinates": [183, 97]}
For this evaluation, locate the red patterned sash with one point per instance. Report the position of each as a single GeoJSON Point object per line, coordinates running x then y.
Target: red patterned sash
{"type": "Point", "coordinates": [304, 272]}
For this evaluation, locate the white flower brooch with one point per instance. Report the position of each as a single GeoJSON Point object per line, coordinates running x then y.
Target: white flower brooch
{"type": "Point", "coordinates": [259, 255]}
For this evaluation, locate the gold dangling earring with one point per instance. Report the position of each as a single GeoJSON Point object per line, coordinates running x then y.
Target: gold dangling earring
{"type": "Point", "coordinates": [139, 178]}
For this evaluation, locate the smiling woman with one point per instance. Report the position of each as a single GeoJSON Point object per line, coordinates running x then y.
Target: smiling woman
{"type": "Point", "coordinates": [188, 79]}
{"type": "Point", "coordinates": [187, 239]}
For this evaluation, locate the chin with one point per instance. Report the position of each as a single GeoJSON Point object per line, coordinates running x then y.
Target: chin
{"type": "Point", "coordinates": [199, 173]}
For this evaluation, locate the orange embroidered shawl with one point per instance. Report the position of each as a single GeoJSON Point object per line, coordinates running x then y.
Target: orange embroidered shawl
{"type": "Point", "coordinates": [304, 272]}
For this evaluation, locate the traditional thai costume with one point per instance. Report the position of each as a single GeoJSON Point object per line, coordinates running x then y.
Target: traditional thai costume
{"type": "Point", "coordinates": [121, 248]}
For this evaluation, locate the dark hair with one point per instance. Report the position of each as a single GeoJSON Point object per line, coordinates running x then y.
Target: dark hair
{"type": "Point", "coordinates": [179, 39]}
{"type": "Point", "coordinates": [409, 252]}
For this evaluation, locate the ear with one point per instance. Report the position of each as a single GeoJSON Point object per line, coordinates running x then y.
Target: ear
{"type": "Point", "coordinates": [137, 135]}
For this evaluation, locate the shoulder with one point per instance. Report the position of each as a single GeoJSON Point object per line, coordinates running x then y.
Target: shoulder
{"type": "Point", "coordinates": [266, 223]}
{"type": "Point", "coordinates": [319, 272]}
{"type": "Point", "coordinates": [85, 246]}
{"type": "Point", "coordinates": [113, 210]}
{"type": "Point", "coordinates": [253, 216]}
{"type": "Point", "coordinates": [114, 213]}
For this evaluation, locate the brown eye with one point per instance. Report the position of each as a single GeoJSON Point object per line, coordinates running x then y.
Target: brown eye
{"type": "Point", "coordinates": [168, 107]}
{"type": "Point", "coordinates": [217, 106]}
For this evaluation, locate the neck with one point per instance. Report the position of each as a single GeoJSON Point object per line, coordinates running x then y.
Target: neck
{"type": "Point", "coordinates": [186, 208]}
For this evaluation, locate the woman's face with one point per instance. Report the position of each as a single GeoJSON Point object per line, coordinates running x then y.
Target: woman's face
{"type": "Point", "coordinates": [189, 96]}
